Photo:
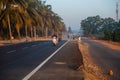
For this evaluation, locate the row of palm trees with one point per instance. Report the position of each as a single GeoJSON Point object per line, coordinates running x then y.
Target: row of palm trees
{"type": "Point", "coordinates": [28, 17]}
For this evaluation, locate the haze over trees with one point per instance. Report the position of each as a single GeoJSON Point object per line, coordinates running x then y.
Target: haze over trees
{"type": "Point", "coordinates": [101, 28]}
{"type": "Point", "coordinates": [23, 18]}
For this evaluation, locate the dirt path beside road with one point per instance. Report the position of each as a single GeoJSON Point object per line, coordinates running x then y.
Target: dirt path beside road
{"type": "Point", "coordinates": [110, 44]}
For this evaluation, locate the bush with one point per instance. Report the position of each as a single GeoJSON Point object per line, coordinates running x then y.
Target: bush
{"type": "Point", "coordinates": [108, 34]}
{"type": "Point", "coordinates": [116, 35]}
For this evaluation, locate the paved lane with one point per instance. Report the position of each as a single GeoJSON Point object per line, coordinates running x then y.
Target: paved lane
{"type": "Point", "coordinates": [105, 58]}
{"type": "Point", "coordinates": [63, 65]}
{"type": "Point", "coordinates": [16, 61]}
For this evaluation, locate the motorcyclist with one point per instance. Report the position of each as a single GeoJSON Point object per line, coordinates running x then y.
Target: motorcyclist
{"type": "Point", "coordinates": [54, 36]}
{"type": "Point", "coordinates": [54, 39]}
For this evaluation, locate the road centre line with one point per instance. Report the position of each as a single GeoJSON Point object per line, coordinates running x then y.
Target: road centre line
{"type": "Point", "coordinates": [11, 51]}
{"type": "Point", "coordinates": [40, 65]}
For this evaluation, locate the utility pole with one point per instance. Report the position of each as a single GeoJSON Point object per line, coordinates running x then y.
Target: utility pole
{"type": "Point", "coordinates": [117, 11]}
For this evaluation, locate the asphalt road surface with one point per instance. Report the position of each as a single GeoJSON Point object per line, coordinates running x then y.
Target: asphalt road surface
{"type": "Point", "coordinates": [63, 65]}
{"type": "Point", "coordinates": [106, 58]}
{"type": "Point", "coordinates": [16, 61]}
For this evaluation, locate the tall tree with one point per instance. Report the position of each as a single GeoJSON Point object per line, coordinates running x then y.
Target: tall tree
{"type": "Point", "coordinates": [33, 15]}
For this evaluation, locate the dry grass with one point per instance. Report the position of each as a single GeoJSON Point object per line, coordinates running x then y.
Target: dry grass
{"type": "Point", "coordinates": [92, 72]}
{"type": "Point", "coordinates": [15, 41]}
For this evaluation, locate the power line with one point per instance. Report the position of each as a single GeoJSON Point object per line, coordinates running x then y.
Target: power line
{"type": "Point", "coordinates": [117, 10]}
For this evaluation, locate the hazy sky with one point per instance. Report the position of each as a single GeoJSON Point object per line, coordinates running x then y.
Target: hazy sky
{"type": "Point", "coordinates": [73, 11]}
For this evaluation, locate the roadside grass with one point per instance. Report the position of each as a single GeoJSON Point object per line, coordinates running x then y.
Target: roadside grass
{"type": "Point", "coordinates": [15, 41]}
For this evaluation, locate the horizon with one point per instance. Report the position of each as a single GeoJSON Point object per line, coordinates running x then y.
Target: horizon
{"type": "Point", "coordinates": [72, 15]}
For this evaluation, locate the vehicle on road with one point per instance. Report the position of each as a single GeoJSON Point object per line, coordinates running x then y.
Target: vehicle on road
{"type": "Point", "coordinates": [54, 40]}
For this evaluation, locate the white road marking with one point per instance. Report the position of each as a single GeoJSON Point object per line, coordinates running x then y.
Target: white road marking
{"type": "Point", "coordinates": [40, 65]}
{"type": "Point", "coordinates": [25, 48]}
{"type": "Point", "coordinates": [11, 51]}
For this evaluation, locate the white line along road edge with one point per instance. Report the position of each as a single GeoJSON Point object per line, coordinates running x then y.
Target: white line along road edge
{"type": "Point", "coordinates": [38, 67]}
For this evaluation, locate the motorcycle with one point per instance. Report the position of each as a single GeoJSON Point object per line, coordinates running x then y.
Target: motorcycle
{"type": "Point", "coordinates": [54, 41]}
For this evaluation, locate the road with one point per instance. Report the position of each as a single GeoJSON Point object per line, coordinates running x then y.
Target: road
{"type": "Point", "coordinates": [63, 65]}
{"type": "Point", "coordinates": [16, 61]}
{"type": "Point", "coordinates": [105, 57]}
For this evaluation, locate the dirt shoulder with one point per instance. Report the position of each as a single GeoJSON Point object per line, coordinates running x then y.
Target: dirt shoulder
{"type": "Point", "coordinates": [110, 44]}
{"type": "Point", "coordinates": [63, 66]}
{"type": "Point", "coordinates": [16, 41]}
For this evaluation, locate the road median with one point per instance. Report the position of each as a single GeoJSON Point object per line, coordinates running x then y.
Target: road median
{"type": "Point", "coordinates": [91, 70]}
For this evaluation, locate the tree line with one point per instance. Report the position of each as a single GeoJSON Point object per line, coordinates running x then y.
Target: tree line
{"type": "Point", "coordinates": [101, 28]}
{"type": "Point", "coordinates": [23, 18]}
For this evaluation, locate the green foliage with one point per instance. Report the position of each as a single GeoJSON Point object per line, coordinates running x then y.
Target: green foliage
{"type": "Point", "coordinates": [116, 35]}
{"type": "Point", "coordinates": [101, 26]}
{"type": "Point", "coordinates": [91, 25]}
{"type": "Point", "coordinates": [107, 34]}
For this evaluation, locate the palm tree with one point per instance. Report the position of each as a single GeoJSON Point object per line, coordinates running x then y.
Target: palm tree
{"type": "Point", "coordinates": [5, 18]}
{"type": "Point", "coordinates": [27, 23]}
{"type": "Point", "coordinates": [33, 15]}
{"type": "Point", "coordinates": [12, 11]}
{"type": "Point", "coordinates": [57, 21]}
{"type": "Point", "coordinates": [18, 24]}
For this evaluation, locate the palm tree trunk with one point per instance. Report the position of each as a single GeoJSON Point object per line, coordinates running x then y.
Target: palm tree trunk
{"type": "Point", "coordinates": [31, 32]}
{"type": "Point", "coordinates": [53, 31]}
{"type": "Point", "coordinates": [10, 33]}
{"type": "Point", "coordinates": [35, 32]}
{"type": "Point", "coordinates": [26, 33]}
{"type": "Point", "coordinates": [46, 32]}
{"type": "Point", "coordinates": [42, 31]}
{"type": "Point", "coordinates": [19, 36]}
